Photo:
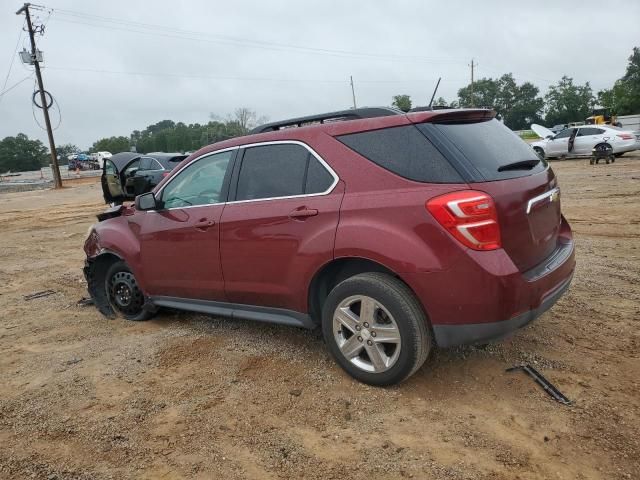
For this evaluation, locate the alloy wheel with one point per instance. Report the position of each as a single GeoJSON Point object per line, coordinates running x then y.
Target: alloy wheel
{"type": "Point", "coordinates": [366, 334]}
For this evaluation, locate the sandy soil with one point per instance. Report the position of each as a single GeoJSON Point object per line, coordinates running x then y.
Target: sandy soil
{"type": "Point", "coordinates": [189, 396]}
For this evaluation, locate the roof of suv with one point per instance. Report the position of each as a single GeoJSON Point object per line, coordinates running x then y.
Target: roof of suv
{"type": "Point", "coordinates": [347, 121]}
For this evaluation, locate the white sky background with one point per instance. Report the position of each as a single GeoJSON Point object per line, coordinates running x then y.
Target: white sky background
{"type": "Point", "coordinates": [401, 46]}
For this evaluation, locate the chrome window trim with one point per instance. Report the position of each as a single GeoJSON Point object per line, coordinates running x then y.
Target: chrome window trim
{"type": "Point", "coordinates": [208, 154]}
{"type": "Point", "coordinates": [336, 179]}
{"type": "Point", "coordinates": [551, 194]}
{"type": "Point", "coordinates": [327, 167]}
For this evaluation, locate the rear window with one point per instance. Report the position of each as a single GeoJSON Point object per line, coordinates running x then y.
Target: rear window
{"type": "Point", "coordinates": [489, 147]}
{"type": "Point", "coordinates": [404, 151]}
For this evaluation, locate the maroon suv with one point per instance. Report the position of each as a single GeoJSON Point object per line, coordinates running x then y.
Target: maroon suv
{"type": "Point", "coordinates": [393, 232]}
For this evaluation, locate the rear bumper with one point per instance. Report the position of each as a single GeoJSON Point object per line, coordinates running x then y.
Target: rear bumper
{"type": "Point", "coordinates": [451, 335]}
{"type": "Point", "coordinates": [484, 296]}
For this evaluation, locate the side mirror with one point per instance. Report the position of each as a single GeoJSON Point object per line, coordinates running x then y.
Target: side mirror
{"type": "Point", "coordinates": [146, 201]}
{"type": "Point", "coordinates": [550, 137]}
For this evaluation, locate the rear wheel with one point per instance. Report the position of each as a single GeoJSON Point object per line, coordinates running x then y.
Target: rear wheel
{"type": "Point", "coordinates": [124, 294]}
{"type": "Point", "coordinates": [375, 329]}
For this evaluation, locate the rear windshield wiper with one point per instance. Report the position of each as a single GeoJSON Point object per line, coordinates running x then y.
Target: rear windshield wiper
{"type": "Point", "coordinates": [522, 165]}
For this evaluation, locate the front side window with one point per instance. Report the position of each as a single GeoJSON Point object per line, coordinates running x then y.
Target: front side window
{"type": "Point", "coordinates": [284, 170]}
{"type": "Point", "coordinates": [200, 183]}
{"type": "Point", "coordinates": [565, 133]}
{"type": "Point", "coordinates": [132, 168]}
{"type": "Point", "coordinates": [110, 168]}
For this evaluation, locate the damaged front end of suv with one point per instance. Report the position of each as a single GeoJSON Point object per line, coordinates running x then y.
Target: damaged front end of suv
{"type": "Point", "coordinates": [110, 281]}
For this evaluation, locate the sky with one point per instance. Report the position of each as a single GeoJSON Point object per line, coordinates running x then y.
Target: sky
{"type": "Point", "coordinates": [118, 66]}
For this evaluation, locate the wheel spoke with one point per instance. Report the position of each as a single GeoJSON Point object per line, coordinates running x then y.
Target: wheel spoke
{"type": "Point", "coordinates": [351, 347]}
{"type": "Point", "coordinates": [347, 318]}
{"type": "Point", "coordinates": [386, 334]}
{"type": "Point", "coordinates": [378, 359]}
{"type": "Point", "coordinates": [367, 310]}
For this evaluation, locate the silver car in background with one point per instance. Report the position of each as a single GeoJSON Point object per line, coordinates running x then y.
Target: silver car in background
{"type": "Point", "coordinates": [580, 141]}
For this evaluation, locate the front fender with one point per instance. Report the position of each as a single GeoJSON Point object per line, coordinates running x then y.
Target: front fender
{"type": "Point", "coordinates": [116, 236]}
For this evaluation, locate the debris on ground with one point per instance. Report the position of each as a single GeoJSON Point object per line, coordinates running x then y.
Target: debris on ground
{"type": "Point", "coordinates": [548, 387]}
{"type": "Point", "coordinates": [43, 293]}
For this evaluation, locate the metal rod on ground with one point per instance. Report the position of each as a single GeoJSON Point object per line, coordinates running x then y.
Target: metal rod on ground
{"type": "Point", "coordinates": [57, 180]}
{"type": "Point", "coordinates": [353, 92]}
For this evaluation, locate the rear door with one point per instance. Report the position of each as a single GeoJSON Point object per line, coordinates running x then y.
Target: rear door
{"type": "Point", "coordinates": [522, 185]}
{"type": "Point", "coordinates": [586, 139]}
{"type": "Point", "coordinates": [280, 227]}
{"type": "Point", "coordinates": [179, 243]}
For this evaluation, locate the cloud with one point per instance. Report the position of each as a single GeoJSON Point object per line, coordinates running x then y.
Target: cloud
{"type": "Point", "coordinates": [111, 77]}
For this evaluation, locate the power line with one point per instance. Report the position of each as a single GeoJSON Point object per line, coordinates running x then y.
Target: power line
{"type": "Point", "coordinates": [13, 58]}
{"type": "Point", "coordinates": [169, 32]}
{"type": "Point", "coordinates": [14, 85]}
{"type": "Point", "coordinates": [249, 79]}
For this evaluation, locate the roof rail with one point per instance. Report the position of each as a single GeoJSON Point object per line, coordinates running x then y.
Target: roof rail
{"type": "Point", "coordinates": [352, 114]}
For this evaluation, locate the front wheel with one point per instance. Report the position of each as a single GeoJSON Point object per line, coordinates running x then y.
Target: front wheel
{"type": "Point", "coordinates": [376, 329]}
{"type": "Point", "coordinates": [124, 294]}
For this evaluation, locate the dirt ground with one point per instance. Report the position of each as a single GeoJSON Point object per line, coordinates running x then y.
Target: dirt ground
{"type": "Point", "coordinates": [190, 396]}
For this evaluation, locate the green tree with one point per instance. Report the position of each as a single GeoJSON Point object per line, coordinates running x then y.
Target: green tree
{"type": "Point", "coordinates": [111, 144]}
{"type": "Point", "coordinates": [19, 154]}
{"type": "Point", "coordinates": [517, 105]}
{"type": "Point", "coordinates": [624, 97]}
{"type": "Point", "coordinates": [402, 102]}
{"type": "Point", "coordinates": [485, 94]}
{"type": "Point", "coordinates": [64, 151]}
{"type": "Point", "coordinates": [566, 102]}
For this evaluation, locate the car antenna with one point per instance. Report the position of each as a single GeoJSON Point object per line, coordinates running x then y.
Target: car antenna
{"type": "Point", "coordinates": [434, 92]}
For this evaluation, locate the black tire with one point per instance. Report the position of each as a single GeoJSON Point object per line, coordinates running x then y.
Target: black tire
{"type": "Point", "coordinates": [122, 291]}
{"type": "Point", "coordinates": [407, 314]}
{"type": "Point", "coordinates": [592, 161]}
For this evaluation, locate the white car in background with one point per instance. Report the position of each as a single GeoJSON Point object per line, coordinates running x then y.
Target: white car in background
{"type": "Point", "coordinates": [583, 139]}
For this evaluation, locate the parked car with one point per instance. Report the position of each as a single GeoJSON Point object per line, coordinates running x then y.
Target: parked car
{"type": "Point", "coordinates": [392, 232]}
{"type": "Point", "coordinates": [126, 175]}
{"type": "Point", "coordinates": [580, 141]}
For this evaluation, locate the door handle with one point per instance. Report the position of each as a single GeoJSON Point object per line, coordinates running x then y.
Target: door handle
{"type": "Point", "coordinates": [204, 223]}
{"type": "Point", "coordinates": [303, 213]}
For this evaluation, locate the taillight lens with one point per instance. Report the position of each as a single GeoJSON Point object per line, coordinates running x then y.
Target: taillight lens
{"type": "Point", "coordinates": [470, 216]}
{"type": "Point", "coordinates": [625, 136]}
{"type": "Point", "coordinates": [165, 174]}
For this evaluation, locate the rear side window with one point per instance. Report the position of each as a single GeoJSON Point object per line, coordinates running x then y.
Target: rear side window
{"type": "Point", "coordinates": [490, 148]}
{"type": "Point", "coordinates": [273, 171]}
{"type": "Point", "coordinates": [404, 151]}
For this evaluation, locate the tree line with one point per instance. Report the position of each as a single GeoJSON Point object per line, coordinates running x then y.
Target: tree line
{"type": "Point", "coordinates": [518, 105]}
{"type": "Point", "coordinates": [521, 105]}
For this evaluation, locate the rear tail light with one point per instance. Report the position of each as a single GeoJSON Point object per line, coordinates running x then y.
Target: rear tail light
{"type": "Point", "coordinates": [625, 136]}
{"type": "Point", "coordinates": [165, 174]}
{"type": "Point", "coordinates": [470, 216]}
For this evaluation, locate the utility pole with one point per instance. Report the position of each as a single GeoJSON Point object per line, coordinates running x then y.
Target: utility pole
{"type": "Point", "coordinates": [472, 97]}
{"type": "Point", "coordinates": [353, 92]}
{"type": "Point", "coordinates": [57, 180]}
